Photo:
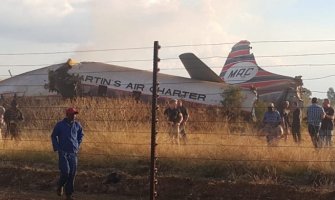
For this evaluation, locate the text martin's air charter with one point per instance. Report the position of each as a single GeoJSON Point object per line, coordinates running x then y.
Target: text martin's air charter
{"type": "Point", "coordinates": [204, 87]}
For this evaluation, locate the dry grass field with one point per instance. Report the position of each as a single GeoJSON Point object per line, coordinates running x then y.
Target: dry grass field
{"type": "Point", "coordinates": [218, 156]}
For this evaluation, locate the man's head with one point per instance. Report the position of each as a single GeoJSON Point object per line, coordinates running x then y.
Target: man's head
{"type": "Point", "coordinates": [295, 104]}
{"type": "Point", "coordinates": [271, 107]}
{"type": "Point", "coordinates": [173, 103]}
{"type": "Point", "coordinates": [180, 103]}
{"type": "Point", "coordinates": [326, 103]}
{"type": "Point", "coordinates": [14, 104]}
{"type": "Point", "coordinates": [286, 104]}
{"type": "Point", "coordinates": [314, 100]}
{"type": "Point", "coordinates": [71, 113]}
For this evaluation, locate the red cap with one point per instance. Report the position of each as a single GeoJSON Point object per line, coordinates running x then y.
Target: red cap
{"type": "Point", "coordinates": [71, 111]}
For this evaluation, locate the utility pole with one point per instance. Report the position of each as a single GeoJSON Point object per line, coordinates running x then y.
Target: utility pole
{"type": "Point", "coordinates": [154, 120]}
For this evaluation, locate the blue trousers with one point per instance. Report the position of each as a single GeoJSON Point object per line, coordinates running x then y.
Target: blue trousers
{"type": "Point", "coordinates": [68, 168]}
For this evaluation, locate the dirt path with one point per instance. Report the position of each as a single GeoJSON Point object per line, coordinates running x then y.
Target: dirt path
{"type": "Point", "coordinates": [12, 194]}
{"type": "Point", "coordinates": [39, 184]}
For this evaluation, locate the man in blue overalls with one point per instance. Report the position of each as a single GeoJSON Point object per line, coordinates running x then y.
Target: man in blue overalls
{"type": "Point", "coordinates": [66, 139]}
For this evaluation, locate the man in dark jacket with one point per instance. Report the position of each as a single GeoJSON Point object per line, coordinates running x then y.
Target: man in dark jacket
{"type": "Point", "coordinates": [66, 139]}
{"type": "Point", "coordinates": [296, 123]}
{"type": "Point", "coordinates": [327, 125]}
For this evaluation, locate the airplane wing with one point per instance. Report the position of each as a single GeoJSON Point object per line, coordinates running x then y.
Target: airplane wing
{"type": "Point", "coordinates": [197, 69]}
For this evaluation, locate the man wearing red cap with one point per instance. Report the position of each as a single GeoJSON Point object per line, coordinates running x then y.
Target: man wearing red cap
{"type": "Point", "coordinates": [66, 139]}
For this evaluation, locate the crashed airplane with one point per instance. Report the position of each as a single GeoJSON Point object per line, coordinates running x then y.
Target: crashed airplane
{"type": "Point", "coordinates": [98, 79]}
{"type": "Point", "coordinates": [242, 70]}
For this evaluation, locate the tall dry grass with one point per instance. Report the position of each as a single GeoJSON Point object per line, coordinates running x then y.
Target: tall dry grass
{"type": "Point", "coordinates": [117, 134]}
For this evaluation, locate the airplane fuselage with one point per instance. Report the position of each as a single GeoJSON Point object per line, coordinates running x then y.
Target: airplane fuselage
{"type": "Point", "coordinates": [109, 80]}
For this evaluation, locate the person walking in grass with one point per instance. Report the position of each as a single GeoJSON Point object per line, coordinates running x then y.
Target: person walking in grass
{"type": "Point", "coordinates": [12, 117]}
{"type": "Point", "coordinates": [174, 118]}
{"type": "Point", "coordinates": [327, 125]}
{"type": "Point", "coordinates": [272, 127]}
{"type": "Point", "coordinates": [66, 138]}
{"type": "Point", "coordinates": [284, 114]}
{"type": "Point", "coordinates": [185, 114]}
{"type": "Point", "coordinates": [315, 114]}
{"type": "Point", "coordinates": [296, 123]}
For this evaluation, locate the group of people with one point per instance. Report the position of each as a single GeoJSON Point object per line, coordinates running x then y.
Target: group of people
{"type": "Point", "coordinates": [9, 121]}
{"type": "Point", "coordinates": [320, 121]}
{"type": "Point", "coordinates": [68, 134]}
{"type": "Point", "coordinates": [177, 116]}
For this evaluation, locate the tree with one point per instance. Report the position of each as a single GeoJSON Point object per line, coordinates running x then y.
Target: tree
{"type": "Point", "coordinates": [232, 99]}
{"type": "Point", "coordinates": [260, 109]}
{"type": "Point", "coordinates": [232, 102]}
{"type": "Point", "coordinates": [331, 94]}
{"type": "Point", "coordinates": [306, 93]}
{"type": "Point", "coordinates": [306, 96]}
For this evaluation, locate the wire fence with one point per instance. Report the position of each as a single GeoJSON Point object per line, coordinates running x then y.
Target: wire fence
{"type": "Point", "coordinates": [36, 139]}
{"type": "Point", "coordinates": [119, 130]}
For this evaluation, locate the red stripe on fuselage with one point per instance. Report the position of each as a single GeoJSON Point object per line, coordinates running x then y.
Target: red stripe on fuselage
{"type": "Point", "coordinates": [268, 83]}
{"type": "Point", "coordinates": [239, 53]}
{"type": "Point", "coordinates": [262, 72]}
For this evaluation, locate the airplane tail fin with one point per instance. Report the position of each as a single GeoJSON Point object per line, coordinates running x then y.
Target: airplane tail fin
{"type": "Point", "coordinates": [240, 65]}
{"type": "Point", "coordinates": [198, 69]}
{"type": "Point", "coordinates": [241, 68]}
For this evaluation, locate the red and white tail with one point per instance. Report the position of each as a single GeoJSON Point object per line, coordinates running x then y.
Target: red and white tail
{"type": "Point", "coordinates": [241, 68]}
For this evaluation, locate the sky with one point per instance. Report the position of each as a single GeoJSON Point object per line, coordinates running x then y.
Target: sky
{"type": "Point", "coordinates": [56, 30]}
